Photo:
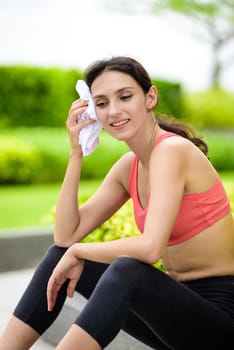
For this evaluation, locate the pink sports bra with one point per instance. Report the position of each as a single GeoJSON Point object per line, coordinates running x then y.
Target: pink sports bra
{"type": "Point", "coordinates": [197, 212]}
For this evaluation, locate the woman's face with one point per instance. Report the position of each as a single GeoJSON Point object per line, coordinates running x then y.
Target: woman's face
{"type": "Point", "coordinates": [121, 105]}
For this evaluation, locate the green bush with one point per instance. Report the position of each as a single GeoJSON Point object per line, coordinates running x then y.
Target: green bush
{"type": "Point", "coordinates": [40, 155]}
{"type": "Point", "coordinates": [169, 98]}
{"type": "Point", "coordinates": [221, 149]}
{"type": "Point", "coordinates": [18, 162]}
{"type": "Point", "coordinates": [28, 156]}
{"type": "Point", "coordinates": [210, 109]}
{"type": "Point", "coordinates": [31, 96]}
{"type": "Point", "coordinates": [98, 163]}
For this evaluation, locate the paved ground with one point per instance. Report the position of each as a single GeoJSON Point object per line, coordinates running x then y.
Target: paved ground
{"type": "Point", "coordinates": [12, 284]}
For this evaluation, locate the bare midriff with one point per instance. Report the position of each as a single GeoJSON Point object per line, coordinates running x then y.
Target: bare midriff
{"type": "Point", "coordinates": [209, 253]}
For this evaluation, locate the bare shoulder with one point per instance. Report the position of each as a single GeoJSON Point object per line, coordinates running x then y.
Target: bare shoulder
{"type": "Point", "coordinates": [174, 149]}
{"type": "Point", "coordinates": [126, 159]}
{"type": "Point", "coordinates": [182, 158]}
{"type": "Point", "coordinates": [177, 148]}
{"type": "Point", "coordinates": [176, 142]}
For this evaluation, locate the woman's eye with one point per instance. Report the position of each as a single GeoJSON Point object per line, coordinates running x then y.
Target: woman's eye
{"type": "Point", "coordinates": [101, 104]}
{"type": "Point", "coordinates": [126, 97]}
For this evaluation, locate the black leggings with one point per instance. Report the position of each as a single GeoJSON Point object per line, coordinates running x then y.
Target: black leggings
{"type": "Point", "coordinates": [143, 301]}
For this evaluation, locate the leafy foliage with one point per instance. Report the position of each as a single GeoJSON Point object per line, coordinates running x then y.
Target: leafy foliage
{"type": "Point", "coordinates": [213, 19]}
{"type": "Point", "coordinates": [210, 109]}
{"type": "Point", "coordinates": [221, 149]}
{"type": "Point", "coordinates": [40, 155]}
{"type": "Point", "coordinates": [169, 98]}
{"type": "Point", "coordinates": [31, 96]}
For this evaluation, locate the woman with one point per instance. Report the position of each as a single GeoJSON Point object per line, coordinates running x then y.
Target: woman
{"type": "Point", "coordinates": [180, 207]}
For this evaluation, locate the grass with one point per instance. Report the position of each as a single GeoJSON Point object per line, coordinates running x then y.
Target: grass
{"type": "Point", "coordinates": [26, 205]}
{"type": "Point", "coordinates": [29, 206]}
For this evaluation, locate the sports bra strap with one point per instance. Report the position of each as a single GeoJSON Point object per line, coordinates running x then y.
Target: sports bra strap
{"type": "Point", "coordinates": [164, 136]}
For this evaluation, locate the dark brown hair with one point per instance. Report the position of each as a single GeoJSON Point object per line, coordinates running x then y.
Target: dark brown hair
{"type": "Point", "coordinates": [133, 68]}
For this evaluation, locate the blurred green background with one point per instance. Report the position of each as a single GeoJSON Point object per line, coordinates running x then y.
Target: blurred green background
{"type": "Point", "coordinates": [34, 146]}
{"type": "Point", "coordinates": [34, 102]}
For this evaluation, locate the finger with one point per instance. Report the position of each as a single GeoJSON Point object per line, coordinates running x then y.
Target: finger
{"type": "Point", "coordinates": [78, 104]}
{"type": "Point", "coordinates": [52, 292]}
{"type": "Point", "coordinates": [86, 122]}
{"type": "Point", "coordinates": [76, 101]}
{"type": "Point", "coordinates": [74, 115]}
{"type": "Point", "coordinates": [71, 287]}
{"type": "Point", "coordinates": [75, 129]}
{"type": "Point", "coordinates": [50, 296]}
{"type": "Point", "coordinates": [77, 108]}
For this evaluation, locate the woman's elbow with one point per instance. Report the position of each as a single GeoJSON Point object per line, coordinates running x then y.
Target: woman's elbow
{"type": "Point", "coordinates": [152, 254]}
{"type": "Point", "coordinates": [63, 242]}
{"type": "Point", "coordinates": [151, 259]}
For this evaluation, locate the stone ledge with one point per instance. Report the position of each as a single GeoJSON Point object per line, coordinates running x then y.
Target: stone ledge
{"type": "Point", "coordinates": [23, 249]}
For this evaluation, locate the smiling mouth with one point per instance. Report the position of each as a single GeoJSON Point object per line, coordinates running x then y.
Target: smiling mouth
{"type": "Point", "coordinates": [120, 123]}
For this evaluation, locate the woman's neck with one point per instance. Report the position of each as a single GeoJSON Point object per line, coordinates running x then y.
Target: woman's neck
{"type": "Point", "coordinates": [142, 146]}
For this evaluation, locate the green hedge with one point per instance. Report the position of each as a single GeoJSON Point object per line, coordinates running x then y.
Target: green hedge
{"type": "Point", "coordinates": [31, 96]}
{"type": "Point", "coordinates": [169, 98]}
{"type": "Point", "coordinates": [221, 149]}
{"type": "Point", "coordinates": [210, 109]}
{"type": "Point", "coordinates": [32, 155]}
{"type": "Point", "coordinates": [40, 155]}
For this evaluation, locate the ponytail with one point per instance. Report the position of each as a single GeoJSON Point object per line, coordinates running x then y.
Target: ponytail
{"type": "Point", "coordinates": [182, 129]}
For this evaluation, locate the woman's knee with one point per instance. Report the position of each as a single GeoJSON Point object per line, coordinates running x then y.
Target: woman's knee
{"type": "Point", "coordinates": [125, 264]}
{"type": "Point", "coordinates": [54, 252]}
{"type": "Point", "coordinates": [51, 257]}
{"type": "Point", "coordinates": [122, 271]}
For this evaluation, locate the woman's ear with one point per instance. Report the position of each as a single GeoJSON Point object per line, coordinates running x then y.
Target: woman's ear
{"type": "Point", "coordinates": [152, 97]}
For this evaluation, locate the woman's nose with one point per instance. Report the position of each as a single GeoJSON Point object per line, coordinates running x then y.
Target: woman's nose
{"type": "Point", "coordinates": [114, 108]}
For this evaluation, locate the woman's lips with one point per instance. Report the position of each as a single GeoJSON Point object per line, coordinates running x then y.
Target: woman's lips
{"type": "Point", "coordinates": [120, 123]}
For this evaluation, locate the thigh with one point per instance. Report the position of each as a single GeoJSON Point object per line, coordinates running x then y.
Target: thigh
{"type": "Point", "coordinates": [175, 314]}
{"type": "Point", "coordinates": [89, 278]}
{"type": "Point", "coordinates": [179, 316]}
{"type": "Point", "coordinates": [219, 290]}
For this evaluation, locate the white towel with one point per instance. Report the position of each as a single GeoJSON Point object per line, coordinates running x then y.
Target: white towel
{"type": "Point", "coordinates": [89, 136]}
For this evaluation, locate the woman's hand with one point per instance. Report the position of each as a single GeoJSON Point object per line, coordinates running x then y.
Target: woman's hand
{"type": "Point", "coordinates": [73, 125]}
{"type": "Point", "coordinates": [69, 267]}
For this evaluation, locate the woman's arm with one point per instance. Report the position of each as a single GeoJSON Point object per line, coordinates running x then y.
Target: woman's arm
{"type": "Point", "coordinates": [167, 181]}
{"type": "Point", "coordinates": [72, 222]}
{"type": "Point", "coordinates": [67, 212]}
